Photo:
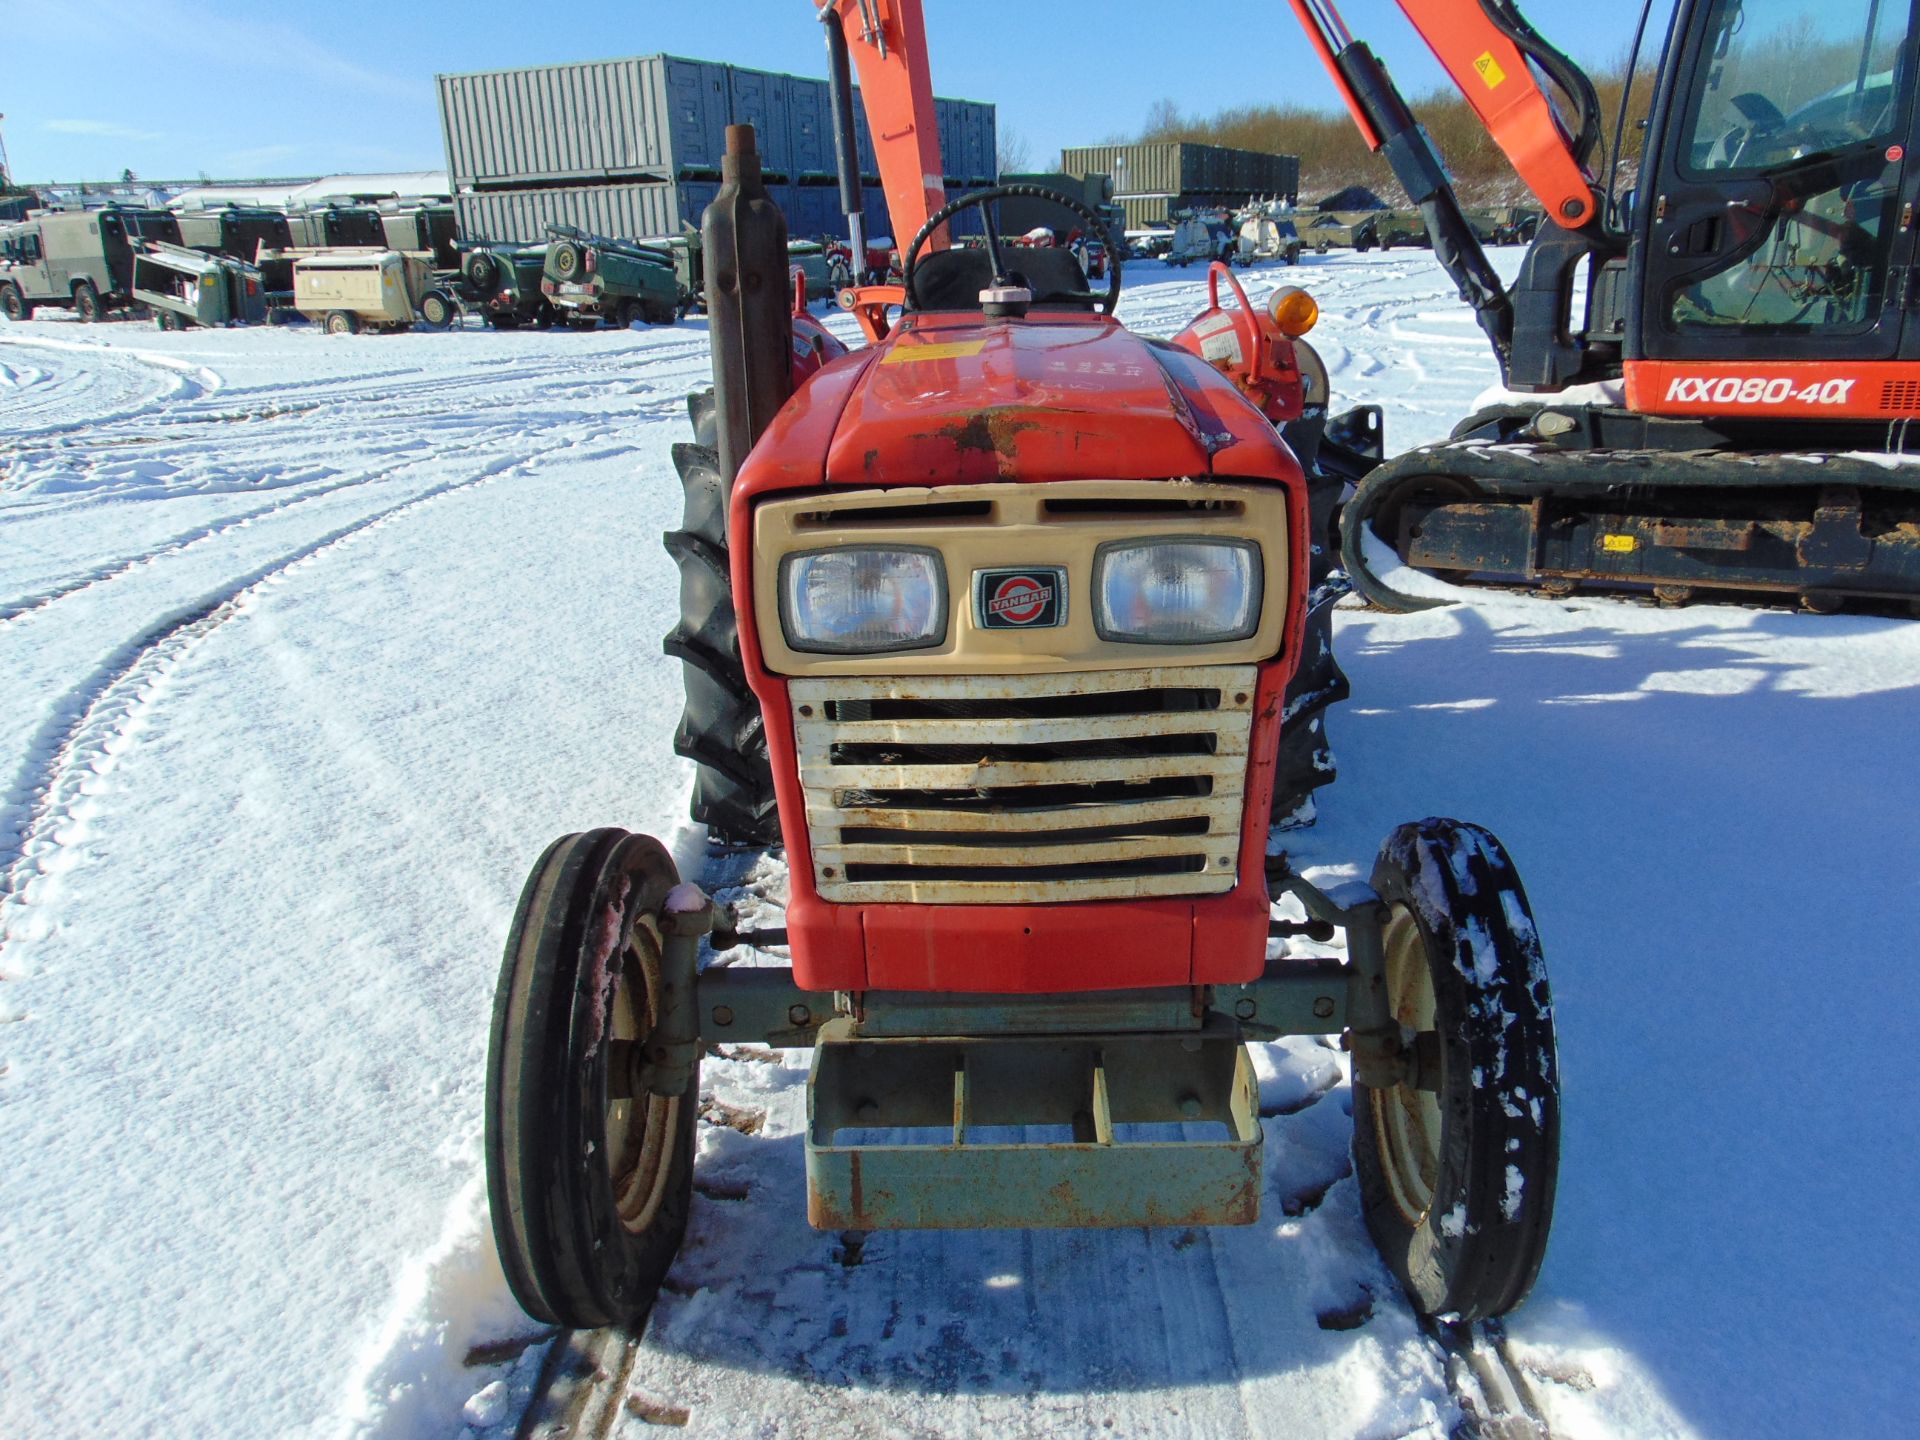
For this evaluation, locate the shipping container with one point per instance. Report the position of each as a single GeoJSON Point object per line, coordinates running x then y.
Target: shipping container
{"type": "Point", "coordinates": [652, 115]}
{"type": "Point", "coordinates": [633, 210]}
{"type": "Point", "coordinates": [661, 117]}
{"type": "Point", "coordinates": [761, 99]}
{"type": "Point", "coordinates": [1166, 169]}
{"type": "Point", "coordinates": [809, 130]}
{"type": "Point", "coordinates": [813, 211]}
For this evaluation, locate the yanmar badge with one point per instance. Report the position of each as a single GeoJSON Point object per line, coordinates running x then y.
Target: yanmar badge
{"type": "Point", "coordinates": [1033, 598]}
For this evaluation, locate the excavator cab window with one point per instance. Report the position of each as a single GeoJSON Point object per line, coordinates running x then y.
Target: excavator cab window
{"type": "Point", "coordinates": [1799, 109]}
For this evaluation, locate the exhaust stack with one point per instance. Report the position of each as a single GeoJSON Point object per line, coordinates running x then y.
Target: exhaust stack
{"type": "Point", "coordinates": [743, 239]}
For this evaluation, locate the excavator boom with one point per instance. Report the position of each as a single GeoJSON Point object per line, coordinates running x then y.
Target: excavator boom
{"type": "Point", "coordinates": [887, 40]}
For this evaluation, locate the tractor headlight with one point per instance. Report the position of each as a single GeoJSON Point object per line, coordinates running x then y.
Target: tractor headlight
{"type": "Point", "coordinates": [1176, 591]}
{"type": "Point", "coordinates": [863, 599]}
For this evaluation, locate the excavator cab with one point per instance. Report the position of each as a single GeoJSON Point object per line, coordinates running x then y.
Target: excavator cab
{"type": "Point", "coordinates": [1738, 336]}
{"type": "Point", "coordinates": [1780, 176]}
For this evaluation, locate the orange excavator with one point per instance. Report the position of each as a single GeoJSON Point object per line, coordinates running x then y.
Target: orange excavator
{"type": "Point", "coordinates": [1716, 371]}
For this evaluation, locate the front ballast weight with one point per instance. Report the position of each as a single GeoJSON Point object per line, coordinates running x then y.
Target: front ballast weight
{"type": "Point", "coordinates": [950, 1110]}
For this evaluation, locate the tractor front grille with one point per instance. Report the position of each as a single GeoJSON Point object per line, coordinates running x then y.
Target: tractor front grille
{"type": "Point", "coordinates": [1027, 789]}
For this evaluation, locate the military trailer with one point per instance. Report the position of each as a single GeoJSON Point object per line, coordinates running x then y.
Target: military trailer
{"type": "Point", "coordinates": [429, 228]}
{"type": "Point", "coordinates": [79, 260]}
{"type": "Point", "coordinates": [1341, 229]}
{"type": "Point", "coordinates": [594, 278]}
{"type": "Point", "coordinates": [350, 290]}
{"type": "Point", "coordinates": [1402, 227]}
{"type": "Point", "coordinates": [501, 282]}
{"type": "Point", "coordinates": [239, 231]}
{"type": "Point", "coordinates": [185, 287]}
{"type": "Point", "coordinates": [1268, 235]}
{"type": "Point", "coordinates": [1201, 235]}
{"type": "Point", "coordinates": [256, 236]}
{"type": "Point", "coordinates": [809, 257]}
{"type": "Point", "coordinates": [336, 226]}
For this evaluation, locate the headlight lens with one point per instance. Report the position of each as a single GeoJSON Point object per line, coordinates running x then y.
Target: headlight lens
{"type": "Point", "coordinates": [1177, 592]}
{"type": "Point", "coordinates": [863, 599]}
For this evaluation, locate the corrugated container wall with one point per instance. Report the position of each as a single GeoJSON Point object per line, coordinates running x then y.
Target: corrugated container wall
{"type": "Point", "coordinates": [634, 209]}
{"type": "Point", "coordinates": [650, 116]}
{"type": "Point", "coordinates": [810, 130]}
{"type": "Point", "coordinates": [1172, 168]}
{"type": "Point", "coordinates": [639, 209]}
{"type": "Point", "coordinates": [661, 117]}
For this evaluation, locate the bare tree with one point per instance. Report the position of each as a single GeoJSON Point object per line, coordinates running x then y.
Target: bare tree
{"type": "Point", "coordinates": [1163, 122]}
{"type": "Point", "coordinates": [1012, 153]}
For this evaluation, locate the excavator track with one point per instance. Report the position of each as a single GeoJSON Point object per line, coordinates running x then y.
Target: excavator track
{"type": "Point", "coordinates": [1830, 530]}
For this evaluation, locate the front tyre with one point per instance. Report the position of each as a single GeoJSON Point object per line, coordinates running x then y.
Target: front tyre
{"type": "Point", "coordinates": [1457, 1174]}
{"type": "Point", "coordinates": [589, 1183]}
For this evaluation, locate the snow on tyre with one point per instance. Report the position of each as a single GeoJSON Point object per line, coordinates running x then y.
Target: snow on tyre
{"type": "Point", "coordinates": [1458, 1166]}
{"type": "Point", "coordinates": [589, 1176]}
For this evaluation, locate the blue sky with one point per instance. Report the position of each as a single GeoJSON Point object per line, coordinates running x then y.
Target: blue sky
{"type": "Point", "coordinates": [172, 88]}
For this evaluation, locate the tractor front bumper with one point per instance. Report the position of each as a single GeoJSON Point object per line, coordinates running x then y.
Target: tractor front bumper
{"type": "Point", "coordinates": [960, 1132]}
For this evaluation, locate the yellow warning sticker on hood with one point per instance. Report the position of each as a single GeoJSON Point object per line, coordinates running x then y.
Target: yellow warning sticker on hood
{"type": "Point", "coordinates": [1489, 69]}
{"type": "Point", "coordinates": [951, 350]}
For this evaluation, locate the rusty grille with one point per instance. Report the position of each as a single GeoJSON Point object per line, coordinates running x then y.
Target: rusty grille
{"type": "Point", "coordinates": [993, 789]}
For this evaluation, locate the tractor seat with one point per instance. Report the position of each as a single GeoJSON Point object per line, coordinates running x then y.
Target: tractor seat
{"type": "Point", "coordinates": [953, 279]}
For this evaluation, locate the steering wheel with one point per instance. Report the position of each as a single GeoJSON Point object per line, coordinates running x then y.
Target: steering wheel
{"type": "Point", "coordinates": [1096, 227]}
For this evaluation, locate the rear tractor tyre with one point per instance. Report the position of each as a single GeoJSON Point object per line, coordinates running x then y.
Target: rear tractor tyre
{"type": "Point", "coordinates": [1457, 1175]}
{"type": "Point", "coordinates": [13, 304]}
{"type": "Point", "coordinates": [721, 729]}
{"type": "Point", "coordinates": [342, 322]}
{"type": "Point", "coordinates": [589, 1185]}
{"type": "Point", "coordinates": [86, 302]}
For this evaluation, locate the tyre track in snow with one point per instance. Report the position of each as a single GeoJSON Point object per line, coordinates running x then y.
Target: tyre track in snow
{"type": "Point", "coordinates": [97, 719]}
{"type": "Point", "coordinates": [58, 390]}
{"type": "Point", "coordinates": [20, 607]}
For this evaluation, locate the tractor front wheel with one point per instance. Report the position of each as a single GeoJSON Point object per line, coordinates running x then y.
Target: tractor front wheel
{"type": "Point", "coordinates": [589, 1176]}
{"type": "Point", "coordinates": [1458, 1165]}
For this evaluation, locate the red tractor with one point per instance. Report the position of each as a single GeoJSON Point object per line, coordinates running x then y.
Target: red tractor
{"type": "Point", "coordinates": [991, 624]}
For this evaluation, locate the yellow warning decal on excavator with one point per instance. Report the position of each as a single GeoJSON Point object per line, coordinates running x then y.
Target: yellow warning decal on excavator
{"type": "Point", "coordinates": [1489, 69]}
{"type": "Point", "coordinates": [952, 350]}
{"type": "Point", "coordinates": [1619, 544]}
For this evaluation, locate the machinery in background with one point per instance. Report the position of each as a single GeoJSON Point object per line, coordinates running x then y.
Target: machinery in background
{"type": "Point", "coordinates": [1714, 375]}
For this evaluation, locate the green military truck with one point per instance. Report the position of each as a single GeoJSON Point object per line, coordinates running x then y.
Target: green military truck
{"type": "Point", "coordinates": [79, 260]}
{"type": "Point", "coordinates": [500, 282]}
{"type": "Point", "coordinates": [592, 278]}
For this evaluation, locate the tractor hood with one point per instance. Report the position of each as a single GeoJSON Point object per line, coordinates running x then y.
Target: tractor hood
{"type": "Point", "coordinates": [958, 399]}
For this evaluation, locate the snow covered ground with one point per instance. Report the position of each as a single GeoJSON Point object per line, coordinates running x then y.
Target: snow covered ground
{"type": "Point", "coordinates": [309, 644]}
